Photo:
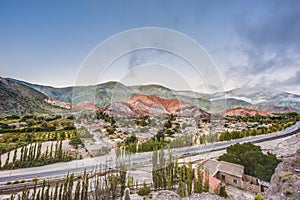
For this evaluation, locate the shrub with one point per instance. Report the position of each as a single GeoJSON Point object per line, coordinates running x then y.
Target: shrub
{"type": "Point", "coordinates": [145, 190]}
{"type": "Point", "coordinates": [287, 175]}
{"type": "Point", "coordinates": [35, 179]}
{"type": "Point", "coordinates": [259, 197]}
{"type": "Point", "coordinates": [289, 192]}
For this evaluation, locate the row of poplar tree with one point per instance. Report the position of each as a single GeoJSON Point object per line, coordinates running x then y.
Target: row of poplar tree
{"type": "Point", "coordinates": [32, 156]}
{"type": "Point", "coordinates": [167, 174]}
{"type": "Point", "coordinates": [109, 184]}
{"type": "Point", "coordinates": [63, 191]}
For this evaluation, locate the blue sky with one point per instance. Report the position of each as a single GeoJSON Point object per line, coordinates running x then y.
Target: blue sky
{"type": "Point", "coordinates": [253, 43]}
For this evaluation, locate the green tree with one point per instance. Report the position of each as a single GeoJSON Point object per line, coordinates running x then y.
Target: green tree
{"type": "Point", "coordinates": [256, 163]}
{"type": "Point", "coordinates": [77, 191]}
{"type": "Point", "coordinates": [198, 185]}
{"type": "Point", "coordinates": [190, 177]}
{"type": "Point", "coordinates": [122, 171]}
{"type": "Point", "coordinates": [181, 182]}
{"type": "Point", "coordinates": [223, 192]}
{"type": "Point", "coordinates": [75, 141]}
{"type": "Point", "coordinates": [15, 156]}
{"type": "Point", "coordinates": [56, 191]}
{"type": "Point", "coordinates": [30, 122]}
{"type": "Point", "coordinates": [155, 168]}
{"type": "Point", "coordinates": [206, 181]}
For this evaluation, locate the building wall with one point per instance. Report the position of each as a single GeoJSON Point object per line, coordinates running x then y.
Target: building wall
{"type": "Point", "coordinates": [230, 179]}
{"type": "Point", "coordinates": [248, 185]}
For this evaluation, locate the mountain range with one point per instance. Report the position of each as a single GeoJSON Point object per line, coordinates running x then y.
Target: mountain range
{"type": "Point", "coordinates": [238, 111]}
{"type": "Point", "coordinates": [141, 105]}
{"type": "Point", "coordinates": [16, 98]}
{"type": "Point", "coordinates": [115, 96]}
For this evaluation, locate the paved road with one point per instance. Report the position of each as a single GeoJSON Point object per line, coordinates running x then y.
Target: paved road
{"type": "Point", "coordinates": [91, 164]}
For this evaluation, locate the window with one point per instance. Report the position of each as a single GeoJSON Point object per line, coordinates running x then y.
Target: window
{"type": "Point", "coordinates": [235, 181]}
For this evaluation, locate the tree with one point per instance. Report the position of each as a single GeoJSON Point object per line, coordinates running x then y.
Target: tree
{"type": "Point", "coordinates": [30, 122]}
{"type": "Point", "coordinates": [38, 195]}
{"type": "Point", "coordinates": [198, 184]}
{"type": "Point", "coordinates": [223, 192]}
{"type": "Point", "coordinates": [77, 191]}
{"type": "Point", "coordinates": [181, 182]}
{"type": "Point", "coordinates": [160, 136]}
{"type": "Point", "coordinates": [122, 175]}
{"type": "Point", "coordinates": [189, 180]}
{"type": "Point", "coordinates": [85, 186]}
{"type": "Point", "coordinates": [161, 171]}
{"type": "Point", "coordinates": [55, 191]}
{"type": "Point", "coordinates": [154, 168]}
{"type": "Point", "coordinates": [43, 189]}
{"type": "Point", "coordinates": [256, 163]}
{"type": "Point", "coordinates": [75, 141]}
{"type": "Point", "coordinates": [44, 124]}
{"type": "Point", "coordinates": [15, 156]}
{"type": "Point", "coordinates": [206, 181]}
{"type": "Point", "coordinates": [60, 192]}
{"type": "Point", "coordinates": [47, 192]}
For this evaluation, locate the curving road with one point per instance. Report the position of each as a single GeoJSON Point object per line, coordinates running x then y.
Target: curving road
{"type": "Point", "coordinates": [90, 164]}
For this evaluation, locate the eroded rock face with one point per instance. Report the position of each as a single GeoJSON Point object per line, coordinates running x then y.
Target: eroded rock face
{"type": "Point", "coordinates": [275, 109]}
{"type": "Point", "coordinates": [151, 105]}
{"type": "Point", "coordinates": [245, 112]}
{"type": "Point", "coordinates": [86, 105]}
{"type": "Point", "coordinates": [285, 182]}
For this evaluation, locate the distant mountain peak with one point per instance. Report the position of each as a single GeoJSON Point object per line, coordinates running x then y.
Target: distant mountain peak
{"type": "Point", "coordinates": [239, 111]}
{"type": "Point", "coordinates": [152, 105]}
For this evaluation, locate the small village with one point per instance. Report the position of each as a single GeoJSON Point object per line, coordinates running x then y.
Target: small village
{"type": "Point", "coordinates": [98, 135]}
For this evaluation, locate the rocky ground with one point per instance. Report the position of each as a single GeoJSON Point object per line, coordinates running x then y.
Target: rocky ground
{"type": "Point", "coordinates": [284, 147]}
{"type": "Point", "coordinates": [238, 194]}
{"type": "Point", "coordinates": [170, 195]}
{"type": "Point", "coordinates": [285, 182]}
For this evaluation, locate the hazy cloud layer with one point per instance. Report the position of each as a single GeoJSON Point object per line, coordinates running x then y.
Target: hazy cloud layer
{"type": "Point", "coordinates": [269, 47]}
{"type": "Point", "coordinates": [293, 81]}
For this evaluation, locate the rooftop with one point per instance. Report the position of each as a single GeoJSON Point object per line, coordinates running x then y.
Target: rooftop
{"type": "Point", "coordinates": [230, 168]}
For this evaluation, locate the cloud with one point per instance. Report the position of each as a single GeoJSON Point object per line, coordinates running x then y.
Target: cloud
{"type": "Point", "coordinates": [277, 29]}
{"type": "Point", "coordinates": [135, 60]}
{"type": "Point", "coordinates": [294, 80]}
{"type": "Point", "coordinates": [270, 44]}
